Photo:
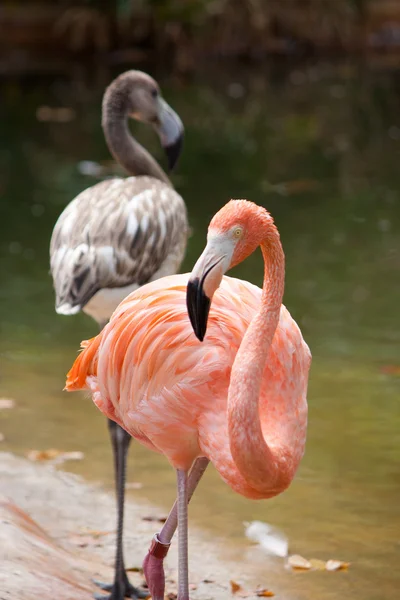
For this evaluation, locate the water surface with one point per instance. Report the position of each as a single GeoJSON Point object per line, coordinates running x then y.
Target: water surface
{"type": "Point", "coordinates": [319, 147]}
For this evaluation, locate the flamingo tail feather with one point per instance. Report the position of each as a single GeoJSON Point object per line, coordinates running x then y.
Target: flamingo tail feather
{"type": "Point", "coordinates": [84, 366]}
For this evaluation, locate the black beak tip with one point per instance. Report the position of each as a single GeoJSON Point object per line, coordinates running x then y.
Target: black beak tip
{"type": "Point", "coordinates": [200, 335]}
{"type": "Point", "coordinates": [173, 152]}
{"type": "Point", "coordinates": [198, 306]}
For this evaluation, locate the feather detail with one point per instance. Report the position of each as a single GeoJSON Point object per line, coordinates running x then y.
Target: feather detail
{"type": "Point", "coordinates": [118, 233]}
{"type": "Point", "coordinates": [147, 368]}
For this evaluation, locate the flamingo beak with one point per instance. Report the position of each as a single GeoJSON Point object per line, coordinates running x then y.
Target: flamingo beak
{"type": "Point", "coordinates": [198, 306]}
{"type": "Point", "coordinates": [170, 129]}
{"type": "Point", "coordinates": [204, 280]}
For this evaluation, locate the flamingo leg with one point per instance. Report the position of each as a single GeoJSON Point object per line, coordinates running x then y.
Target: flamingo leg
{"type": "Point", "coordinates": [153, 566]}
{"type": "Point", "coordinates": [121, 587]}
{"type": "Point", "coordinates": [183, 556]}
{"type": "Point", "coordinates": [196, 473]}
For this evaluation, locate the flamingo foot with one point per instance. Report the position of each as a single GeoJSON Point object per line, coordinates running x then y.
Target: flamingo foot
{"type": "Point", "coordinates": [120, 590]}
{"type": "Point", "coordinates": [153, 568]}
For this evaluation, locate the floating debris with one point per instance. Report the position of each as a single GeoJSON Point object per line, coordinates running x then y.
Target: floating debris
{"type": "Point", "coordinates": [336, 565]}
{"type": "Point", "coordinates": [271, 539]}
{"type": "Point", "coordinates": [6, 403]}
{"type": "Point", "coordinates": [299, 563]}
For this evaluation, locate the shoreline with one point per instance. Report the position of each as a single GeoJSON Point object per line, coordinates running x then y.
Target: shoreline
{"type": "Point", "coordinates": [67, 537]}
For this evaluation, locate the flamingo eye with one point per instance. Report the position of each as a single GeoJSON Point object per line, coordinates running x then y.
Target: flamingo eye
{"type": "Point", "coordinates": [237, 232]}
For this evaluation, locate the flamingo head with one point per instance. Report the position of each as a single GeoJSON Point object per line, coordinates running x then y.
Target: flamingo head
{"type": "Point", "coordinates": [233, 234]}
{"type": "Point", "coordinates": [137, 95]}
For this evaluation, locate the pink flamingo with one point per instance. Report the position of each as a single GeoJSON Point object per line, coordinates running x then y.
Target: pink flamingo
{"type": "Point", "coordinates": [237, 399]}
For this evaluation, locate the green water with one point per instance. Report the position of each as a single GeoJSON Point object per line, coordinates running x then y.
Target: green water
{"type": "Point", "coordinates": [319, 146]}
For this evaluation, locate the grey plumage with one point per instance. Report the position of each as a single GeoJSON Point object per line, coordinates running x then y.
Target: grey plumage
{"type": "Point", "coordinates": [122, 233]}
{"type": "Point", "coordinates": [117, 233]}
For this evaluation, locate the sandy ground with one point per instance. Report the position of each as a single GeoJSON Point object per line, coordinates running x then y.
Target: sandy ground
{"type": "Point", "coordinates": [48, 548]}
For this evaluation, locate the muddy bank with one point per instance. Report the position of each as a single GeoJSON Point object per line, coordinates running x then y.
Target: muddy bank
{"type": "Point", "coordinates": [57, 532]}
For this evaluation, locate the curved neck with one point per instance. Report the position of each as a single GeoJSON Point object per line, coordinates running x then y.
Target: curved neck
{"type": "Point", "coordinates": [253, 457]}
{"type": "Point", "coordinates": [122, 145]}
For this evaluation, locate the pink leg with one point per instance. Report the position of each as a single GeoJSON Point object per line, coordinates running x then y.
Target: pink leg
{"type": "Point", "coordinates": [183, 555]}
{"type": "Point", "coordinates": [153, 566]}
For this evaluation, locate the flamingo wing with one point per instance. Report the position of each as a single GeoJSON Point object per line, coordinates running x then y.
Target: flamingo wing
{"type": "Point", "coordinates": [148, 371]}
{"type": "Point", "coordinates": [116, 233]}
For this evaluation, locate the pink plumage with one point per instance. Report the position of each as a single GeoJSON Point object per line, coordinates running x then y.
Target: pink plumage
{"type": "Point", "coordinates": [237, 398]}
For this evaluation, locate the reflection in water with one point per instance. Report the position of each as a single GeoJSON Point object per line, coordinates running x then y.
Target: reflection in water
{"type": "Point", "coordinates": [319, 148]}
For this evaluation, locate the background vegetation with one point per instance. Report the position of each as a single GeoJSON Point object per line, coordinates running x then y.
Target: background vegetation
{"type": "Point", "coordinates": [186, 31]}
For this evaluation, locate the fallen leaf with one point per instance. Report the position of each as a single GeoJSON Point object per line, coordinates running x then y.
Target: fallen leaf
{"type": "Point", "coordinates": [208, 581]}
{"type": "Point", "coordinates": [52, 454]}
{"type": "Point", "coordinates": [95, 533]}
{"type": "Point", "coordinates": [172, 596]}
{"type": "Point", "coordinates": [298, 562]}
{"type": "Point", "coordinates": [82, 541]}
{"type": "Point", "coordinates": [317, 564]}
{"type": "Point", "coordinates": [6, 403]}
{"type": "Point", "coordinates": [336, 565]}
{"type": "Point", "coordinates": [235, 587]}
{"type": "Point", "coordinates": [268, 537]}
{"type": "Point", "coordinates": [134, 570]}
{"type": "Point", "coordinates": [40, 455]}
{"type": "Point", "coordinates": [153, 519]}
